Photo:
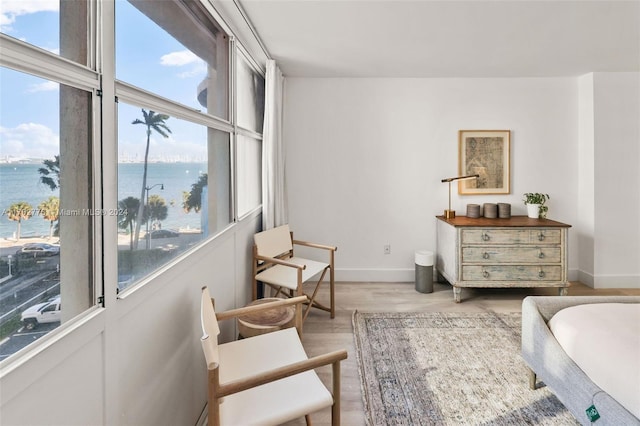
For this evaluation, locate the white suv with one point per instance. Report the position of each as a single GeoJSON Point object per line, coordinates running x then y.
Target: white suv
{"type": "Point", "coordinates": [42, 313]}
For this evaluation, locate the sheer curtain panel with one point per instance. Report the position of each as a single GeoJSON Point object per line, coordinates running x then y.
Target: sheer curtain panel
{"type": "Point", "coordinates": [274, 200]}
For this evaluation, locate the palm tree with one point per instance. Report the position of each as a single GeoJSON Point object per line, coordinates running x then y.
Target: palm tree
{"type": "Point", "coordinates": [127, 214]}
{"type": "Point", "coordinates": [193, 200]}
{"type": "Point", "coordinates": [50, 210]}
{"type": "Point", "coordinates": [19, 211]}
{"type": "Point", "coordinates": [155, 122]}
{"type": "Point", "coordinates": [51, 173]}
{"type": "Point", "coordinates": [158, 209]}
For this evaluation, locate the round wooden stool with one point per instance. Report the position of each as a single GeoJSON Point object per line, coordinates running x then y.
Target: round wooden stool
{"type": "Point", "coordinates": [267, 321]}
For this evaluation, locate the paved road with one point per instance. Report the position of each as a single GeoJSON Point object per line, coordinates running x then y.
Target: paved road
{"type": "Point", "coordinates": [23, 337]}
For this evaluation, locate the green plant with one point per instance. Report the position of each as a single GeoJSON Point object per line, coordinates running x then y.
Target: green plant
{"type": "Point", "coordinates": [535, 198]}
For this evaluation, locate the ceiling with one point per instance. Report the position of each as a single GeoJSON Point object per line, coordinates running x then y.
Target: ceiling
{"type": "Point", "coordinates": [426, 38]}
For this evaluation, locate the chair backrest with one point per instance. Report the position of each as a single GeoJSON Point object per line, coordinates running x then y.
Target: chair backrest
{"type": "Point", "coordinates": [210, 329]}
{"type": "Point", "coordinates": [273, 242]}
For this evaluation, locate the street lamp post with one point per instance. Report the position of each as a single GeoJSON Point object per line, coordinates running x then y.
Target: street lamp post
{"type": "Point", "coordinates": [148, 188]}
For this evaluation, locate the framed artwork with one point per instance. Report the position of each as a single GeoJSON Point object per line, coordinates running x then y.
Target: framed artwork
{"type": "Point", "coordinates": [485, 153]}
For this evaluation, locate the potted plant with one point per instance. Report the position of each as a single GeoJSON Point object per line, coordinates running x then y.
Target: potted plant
{"type": "Point", "coordinates": [535, 204]}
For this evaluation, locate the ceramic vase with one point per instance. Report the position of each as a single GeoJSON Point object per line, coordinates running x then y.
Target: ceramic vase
{"type": "Point", "coordinates": [533, 210]}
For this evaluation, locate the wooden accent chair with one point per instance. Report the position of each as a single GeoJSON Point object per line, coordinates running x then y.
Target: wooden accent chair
{"type": "Point", "coordinates": [274, 264]}
{"type": "Point", "coordinates": [266, 379]}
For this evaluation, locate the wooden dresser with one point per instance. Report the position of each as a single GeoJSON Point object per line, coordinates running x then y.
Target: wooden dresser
{"type": "Point", "coordinates": [514, 252]}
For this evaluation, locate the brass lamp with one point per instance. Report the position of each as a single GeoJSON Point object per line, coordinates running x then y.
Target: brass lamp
{"type": "Point", "coordinates": [450, 214]}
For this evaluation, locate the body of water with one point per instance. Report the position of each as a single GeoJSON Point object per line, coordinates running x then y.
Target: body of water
{"type": "Point", "coordinates": [21, 182]}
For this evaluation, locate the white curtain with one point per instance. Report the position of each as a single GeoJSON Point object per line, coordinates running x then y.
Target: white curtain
{"type": "Point", "coordinates": [274, 197]}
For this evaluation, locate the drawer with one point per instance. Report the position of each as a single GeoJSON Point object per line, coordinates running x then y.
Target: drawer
{"type": "Point", "coordinates": [491, 254]}
{"type": "Point", "coordinates": [495, 236]}
{"type": "Point", "coordinates": [511, 273]}
{"type": "Point", "coordinates": [545, 236]}
{"type": "Point", "coordinates": [510, 236]}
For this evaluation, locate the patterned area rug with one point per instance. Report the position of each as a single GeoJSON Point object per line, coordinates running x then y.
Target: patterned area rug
{"type": "Point", "coordinates": [448, 369]}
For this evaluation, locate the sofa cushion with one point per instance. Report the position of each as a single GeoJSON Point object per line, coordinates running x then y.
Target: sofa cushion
{"type": "Point", "coordinates": [603, 339]}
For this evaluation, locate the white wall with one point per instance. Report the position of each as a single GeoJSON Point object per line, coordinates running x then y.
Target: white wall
{"type": "Point", "coordinates": [365, 158]}
{"type": "Point", "coordinates": [138, 362]}
{"type": "Point", "coordinates": [617, 179]}
{"type": "Point", "coordinates": [586, 180]}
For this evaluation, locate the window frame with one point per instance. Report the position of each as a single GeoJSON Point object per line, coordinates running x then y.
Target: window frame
{"type": "Point", "coordinates": [26, 58]}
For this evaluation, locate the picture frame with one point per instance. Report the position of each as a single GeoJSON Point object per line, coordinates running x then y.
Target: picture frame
{"type": "Point", "coordinates": [486, 153]}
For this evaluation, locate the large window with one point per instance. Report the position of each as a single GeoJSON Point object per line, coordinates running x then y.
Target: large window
{"type": "Point", "coordinates": [46, 170]}
{"type": "Point", "coordinates": [188, 166]}
{"type": "Point", "coordinates": [179, 205]}
{"type": "Point", "coordinates": [174, 184]}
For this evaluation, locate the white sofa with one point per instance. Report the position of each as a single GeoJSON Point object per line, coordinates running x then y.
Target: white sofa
{"type": "Point", "coordinates": [578, 374]}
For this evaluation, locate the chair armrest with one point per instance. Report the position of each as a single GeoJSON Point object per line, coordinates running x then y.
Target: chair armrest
{"type": "Point", "coordinates": [233, 313]}
{"type": "Point", "coordinates": [280, 373]}
{"type": "Point", "coordinates": [314, 245]}
{"type": "Point", "coordinates": [280, 262]}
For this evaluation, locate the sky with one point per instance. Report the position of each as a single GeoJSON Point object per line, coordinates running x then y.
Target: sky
{"type": "Point", "coordinates": [29, 110]}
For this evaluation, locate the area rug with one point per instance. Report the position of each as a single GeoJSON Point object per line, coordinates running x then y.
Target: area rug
{"type": "Point", "coordinates": [448, 369]}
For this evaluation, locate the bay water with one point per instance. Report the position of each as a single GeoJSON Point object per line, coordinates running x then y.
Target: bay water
{"type": "Point", "coordinates": [21, 182]}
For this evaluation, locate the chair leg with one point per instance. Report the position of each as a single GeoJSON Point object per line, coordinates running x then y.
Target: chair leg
{"type": "Point", "coordinates": [532, 379]}
{"type": "Point", "coordinates": [335, 408]}
{"type": "Point", "coordinates": [254, 290]}
{"type": "Point", "coordinates": [307, 418]}
{"type": "Point", "coordinates": [312, 299]}
{"type": "Point", "coordinates": [332, 284]}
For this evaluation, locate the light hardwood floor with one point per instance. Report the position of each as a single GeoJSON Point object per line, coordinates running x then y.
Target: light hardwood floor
{"type": "Point", "coordinates": [322, 334]}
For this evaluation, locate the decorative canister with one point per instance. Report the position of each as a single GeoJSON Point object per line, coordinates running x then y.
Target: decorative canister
{"type": "Point", "coordinates": [473, 210]}
{"type": "Point", "coordinates": [504, 210]}
{"type": "Point", "coordinates": [490, 210]}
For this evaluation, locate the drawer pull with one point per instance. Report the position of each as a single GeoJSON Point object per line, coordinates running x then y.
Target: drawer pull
{"type": "Point", "coordinates": [485, 255]}
{"type": "Point", "coordinates": [541, 274]}
{"type": "Point", "coordinates": [485, 237]}
{"type": "Point", "coordinates": [541, 237]}
{"type": "Point", "coordinates": [541, 255]}
{"type": "Point", "coordinates": [485, 274]}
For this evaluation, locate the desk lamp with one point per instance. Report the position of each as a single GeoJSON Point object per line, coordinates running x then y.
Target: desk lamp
{"type": "Point", "coordinates": [450, 214]}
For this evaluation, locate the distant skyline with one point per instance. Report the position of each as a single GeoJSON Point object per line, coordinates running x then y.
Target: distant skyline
{"type": "Point", "coordinates": [32, 131]}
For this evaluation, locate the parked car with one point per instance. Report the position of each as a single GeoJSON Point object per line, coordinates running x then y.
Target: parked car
{"type": "Point", "coordinates": [41, 313]}
{"type": "Point", "coordinates": [164, 233]}
{"type": "Point", "coordinates": [38, 250]}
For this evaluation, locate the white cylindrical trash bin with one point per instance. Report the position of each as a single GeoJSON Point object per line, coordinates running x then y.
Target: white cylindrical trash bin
{"type": "Point", "coordinates": [424, 271]}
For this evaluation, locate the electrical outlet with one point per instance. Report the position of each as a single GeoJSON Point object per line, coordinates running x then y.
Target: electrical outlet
{"type": "Point", "coordinates": [387, 249]}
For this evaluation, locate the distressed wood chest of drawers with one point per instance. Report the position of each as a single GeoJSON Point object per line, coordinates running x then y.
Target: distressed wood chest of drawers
{"type": "Point", "coordinates": [514, 252]}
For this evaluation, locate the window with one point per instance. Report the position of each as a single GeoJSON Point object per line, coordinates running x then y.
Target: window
{"type": "Point", "coordinates": [250, 95]}
{"type": "Point", "coordinates": [174, 171]}
{"type": "Point", "coordinates": [249, 160]}
{"type": "Point", "coordinates": [178, 207]}
{"type": "Point", "coordinates": [250, 112]}
{"type": "Point", "coordinates": [188, 67]}
{"type": "Point", "coordinates": [173, 121]}
{"type": "Point", "coordinates": [45, 226]}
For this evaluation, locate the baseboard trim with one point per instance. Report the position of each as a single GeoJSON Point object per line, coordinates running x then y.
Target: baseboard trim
{"type": "Point", "coordinates": [585, 278]}
{"type": "Point", "coordinates": [617, 281]}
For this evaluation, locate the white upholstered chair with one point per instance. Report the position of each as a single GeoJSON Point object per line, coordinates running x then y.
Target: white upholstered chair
{"type": "Point", "coordinates": [275, 265]}
{"type": "Point", "coordinates": [266, 379]}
